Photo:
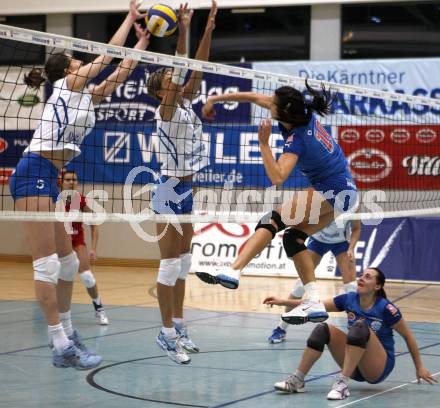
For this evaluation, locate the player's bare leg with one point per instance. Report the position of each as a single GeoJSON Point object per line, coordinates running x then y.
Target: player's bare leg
{"type": "Point", "coordinates": [169, 271]}
{"type": "Point", "coordinates": [88, 279]}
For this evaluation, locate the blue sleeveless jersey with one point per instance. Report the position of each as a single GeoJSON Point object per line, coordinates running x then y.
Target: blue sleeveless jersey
{"type": "Point", "coordinates": [319, 156]}
{"type": "Point", "coordinates": [380, 317]}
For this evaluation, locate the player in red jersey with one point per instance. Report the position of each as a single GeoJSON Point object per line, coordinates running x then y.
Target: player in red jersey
{"type": "Point", "coordinates": [70, 182]}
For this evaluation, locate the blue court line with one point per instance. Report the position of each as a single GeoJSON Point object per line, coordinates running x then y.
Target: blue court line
{"type": "Point", "coordinates": [225, 404]}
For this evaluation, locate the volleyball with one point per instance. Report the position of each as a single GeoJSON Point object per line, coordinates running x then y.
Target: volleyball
{"type": "Point", "coordinates": [161, 20]}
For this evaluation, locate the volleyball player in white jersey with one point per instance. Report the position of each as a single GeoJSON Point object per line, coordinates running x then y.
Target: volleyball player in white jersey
{"type": "Point", "coordinates": [67, 118]}
{"type": "Point", "coordinates": [182, 154]}
{"type": "Point", "coordinates": [341, 242]}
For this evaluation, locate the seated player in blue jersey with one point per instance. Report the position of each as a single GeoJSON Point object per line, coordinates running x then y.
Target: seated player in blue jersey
{"type": "Point", "coordinates": [310, 148]}
{"type": "Point", "coordinates": [341, 243]}
{"type": "Point", "coordinates": [366, 351]}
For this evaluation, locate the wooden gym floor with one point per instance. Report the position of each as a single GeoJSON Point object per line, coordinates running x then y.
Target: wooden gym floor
{"type": "Point", "coordinates": [236, 366]}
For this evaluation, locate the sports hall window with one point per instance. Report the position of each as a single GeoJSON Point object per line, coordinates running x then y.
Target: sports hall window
{"type": "Point", "coordinates": [100, 27]}
{"type": "Point", "coordinates": [256, 34]}
{"type": "Point", "coordinates": [391, 30]}
{"type": "Point", "coordinates": [18, 52]}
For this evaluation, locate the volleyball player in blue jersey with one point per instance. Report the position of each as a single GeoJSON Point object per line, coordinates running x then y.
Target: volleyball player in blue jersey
{"type": "Point", "coordinates": [309, 147]}
{"type": "Point", "coordinates": [366, 352]}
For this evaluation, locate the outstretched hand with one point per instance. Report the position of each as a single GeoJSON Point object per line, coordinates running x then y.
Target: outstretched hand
{"type": "Point", "coordinates": [264, 131]}
{"type": "Point", "coordinates": [423, 374]}
{"type": "Point", "coordinates": [208, 111]}
{"type": "Point", "coordinates": [141, 32]}
{"type": "Point", "coordinates": [134, 12]}
{"type": "Point", "coordinates": [210, 24]}
{"type": "Point", "coordinates": [184, 17]}
{"type": "Point", "coordinates": [273, 300]}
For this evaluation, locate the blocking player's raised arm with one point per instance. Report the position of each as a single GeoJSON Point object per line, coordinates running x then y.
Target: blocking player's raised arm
{"type": "Point", "coordinates": [77, 79]}
{"type": "Point", "coordinates": [123, 70]}
{"type": "Point", "coordinates": [193, 85]}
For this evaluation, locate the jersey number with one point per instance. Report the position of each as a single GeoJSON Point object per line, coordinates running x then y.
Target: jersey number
{"type": "Point", "coordinates": [324, 138]}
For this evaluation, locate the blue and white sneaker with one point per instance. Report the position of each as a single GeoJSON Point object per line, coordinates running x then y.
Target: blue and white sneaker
{"type": "Point", "coordinates": [78, 342]}
{"type": "Point", "coordinates": [184, 340]}
{"type": "Point", "coordinates": [228, 277]}
{"type": "Point", "coordinates": [74, 357]}
{"type": "Point", "coordinates": [308, 311]}
{"type": "Point", "coordinates": [278, 335]}
{"type": "Point", "coordinates": [173, 348]}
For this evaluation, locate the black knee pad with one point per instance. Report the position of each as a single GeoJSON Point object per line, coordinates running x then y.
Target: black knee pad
{"type": "Point", "coordinates": [358, 334]}
{"type": "Point", "coordinates": [265, 223]}
{"type": "Point", "coordinates": [319, 337]}
{"type": "Point", "coordinates": [291, 244]}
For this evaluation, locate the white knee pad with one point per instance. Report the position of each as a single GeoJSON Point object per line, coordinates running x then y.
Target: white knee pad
{"type": "Point", "coordinates": [47, 269]}
{"type": "Point", "coordinates": [298, 289]}
{"type": "Point", "coordinates": [186, 265]}
{"type": "Point", "coordinates": [87, 279]}
{"type": "Point", "coordinates": [69, 267]}
{"type": "Point", "coordinates": [169, 271]}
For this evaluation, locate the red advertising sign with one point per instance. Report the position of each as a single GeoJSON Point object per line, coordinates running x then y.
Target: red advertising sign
{"type": "Point", "coordinates": [5, 174]}
{"type": "Point", "coordinates": [393, 156]}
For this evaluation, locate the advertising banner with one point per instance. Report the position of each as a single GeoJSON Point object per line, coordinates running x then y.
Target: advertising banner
{"type": "Point", "coordinates": [410, 76]}
{"type": "Point", "coordinates": [110, 152]}
{"type": "Point", "coordinates": [12, 144]}
{"type": "Point", "coordinates": [130, 103]}
{"type": "Point", "coordinates": [395, 157]}
{"type": "Point", "coordinates": [217, 245]}
{"type": "Point", "coordinates": [404, 248]}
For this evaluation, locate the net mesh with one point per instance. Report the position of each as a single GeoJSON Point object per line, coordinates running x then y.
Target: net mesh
{"type": "Point", "coordinates": [391, 141]}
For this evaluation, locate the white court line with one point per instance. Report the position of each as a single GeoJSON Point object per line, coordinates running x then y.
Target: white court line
{"type": "Point", "coordinates": [382, 392]}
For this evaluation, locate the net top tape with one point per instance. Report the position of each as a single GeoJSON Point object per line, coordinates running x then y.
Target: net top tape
{"type": "Point", "coordinates": [91, 47]}
{"type": "Point", "coordinates": [220, 217]}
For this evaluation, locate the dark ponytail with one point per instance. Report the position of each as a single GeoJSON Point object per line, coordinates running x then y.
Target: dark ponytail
{"type": "Point", "coordinates": [292, 107]}
{"type": "Point", "coordinates": [380, 280]}
{"type": "Point", "coordinates": [55, 69]}
{"type": "Point", "coordinates": [35, 78]}
{"type": "Point", "coordinates": [322, 100]}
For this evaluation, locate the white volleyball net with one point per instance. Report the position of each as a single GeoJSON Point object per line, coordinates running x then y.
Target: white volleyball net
{"type": "Point", "coordinates": [391, 141]}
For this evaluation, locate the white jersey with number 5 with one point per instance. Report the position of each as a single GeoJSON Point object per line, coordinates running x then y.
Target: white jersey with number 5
{"type": "Point", "coordinates": [182, 150]}
{"type": "Point", "coordinates": [68, 117]}
{"type": "Point", "coordinates": [334, 235]}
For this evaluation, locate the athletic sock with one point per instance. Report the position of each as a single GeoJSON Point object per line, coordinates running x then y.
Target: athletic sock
{"type": "Point", "coordinates": [311, 292]}
{"type": "Point", "coordinates": [179, 321]}
{"type": "Point", "coordinates": [299, 374]}
{"type": "Point", "coordinates": [343, 378]}
{"type": "Point", "coordinates": [58, 337]}
{"type": "Point", "coordinates": [169, 332]}
{"type": "Point", "coordinates": [283, 324]}
{"type": "Point", "coordinates": [66, 321]}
